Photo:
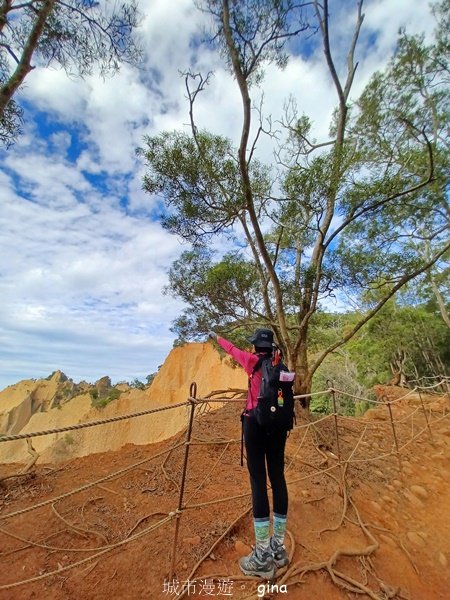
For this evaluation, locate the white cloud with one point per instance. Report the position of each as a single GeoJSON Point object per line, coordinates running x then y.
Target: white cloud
{"type": "Point", "coordinates": [81, 281]}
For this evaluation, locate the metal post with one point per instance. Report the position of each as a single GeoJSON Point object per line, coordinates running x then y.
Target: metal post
{"type": "Point", "coordinates": [394, 433]}
{"type": "Point", "coordinates": [333, 397]}
{"type": "Point", "coordinates": [426, 416]}
{"type": "Point", "coordinates": [193, 395]}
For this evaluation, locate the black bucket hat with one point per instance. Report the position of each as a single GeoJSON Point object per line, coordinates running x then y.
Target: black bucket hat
{"type": "Point", "coordinates": [262, 338]}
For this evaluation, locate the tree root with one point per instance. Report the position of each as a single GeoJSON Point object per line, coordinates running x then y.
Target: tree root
{"type": "Point", "coordinates": [216, 543]}
{"type": "Point", "coordinates": [30, 464]}
{"type": "Point", "coordinates": [80, 530]}
{"type": "Point", "coordinates": [141, 521]}
{"type": "Point", "coordinates": [34, 456]}
{"type": "Point", "coordinates": [339, 578]}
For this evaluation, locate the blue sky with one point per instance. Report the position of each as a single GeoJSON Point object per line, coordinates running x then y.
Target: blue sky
{"type": "Point", "coordinates": [82, 259]}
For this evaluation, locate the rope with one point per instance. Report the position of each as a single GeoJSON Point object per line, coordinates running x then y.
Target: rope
{"type": "Point", "coordinates": [88, 485]}
{"type": "Point", "coordinates": [22, 436]}
{"type": "Point", "coordinates": [89, 558]}
{"type": "Point", "coordinates": [177, 513]}
{"type": "Point", "coordinates": [430, 387]}
{"type": "Point", "coordinates": [381, 402]}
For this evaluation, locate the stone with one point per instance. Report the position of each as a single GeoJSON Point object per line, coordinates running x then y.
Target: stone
{"type": "Point", "coordinates": [419, 491]}
{"type": "Point", "coordinates": [241, 548]}
{"type": "Point", "coordinates": [103, 386]}
{"type": "Point", "coordinates": [415, 538]}
{"type": "Point", "coordinates": [413, 499]}
{"type": "Point", "coordinates": [442, 560]}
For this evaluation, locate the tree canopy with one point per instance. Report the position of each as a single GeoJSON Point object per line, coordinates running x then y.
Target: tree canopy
{"type": "Point", "coordinates": [365, 210]}
{"type": "Point", "coordinates": [75, 34]}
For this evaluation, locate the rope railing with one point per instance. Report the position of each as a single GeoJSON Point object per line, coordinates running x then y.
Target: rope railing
{"type": "Point", "coordinates": [23, 436]}
{"type": "Point", "coordinates": [371, 400]}
{"type": "Point", "coordinates": [442, 380]}
{"type": "Point", "coordinates": [87, 486]}
{"type": "Point", "coordinates": [186, 505]}
{"type": "Point", "coordinates": [62, 569]}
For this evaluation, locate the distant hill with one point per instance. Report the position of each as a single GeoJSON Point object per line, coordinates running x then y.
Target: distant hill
{"type": "Point", "coordinates": [55, 402]}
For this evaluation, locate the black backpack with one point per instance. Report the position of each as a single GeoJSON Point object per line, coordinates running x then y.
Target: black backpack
{"type": "Point", "coordinates": [275, 408]}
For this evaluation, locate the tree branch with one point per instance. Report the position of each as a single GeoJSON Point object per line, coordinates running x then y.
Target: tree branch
{"type": "Point", "coordinates": [24, 66]}
{"type": "Point", "coordinates": [405, 279]}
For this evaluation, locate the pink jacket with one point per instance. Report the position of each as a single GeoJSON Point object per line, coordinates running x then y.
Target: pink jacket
{"type": "Point", "coordinates": [247, 360]}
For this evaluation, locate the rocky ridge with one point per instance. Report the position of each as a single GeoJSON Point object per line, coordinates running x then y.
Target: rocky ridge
{"type": "Point", "coordinates": [56, 402]}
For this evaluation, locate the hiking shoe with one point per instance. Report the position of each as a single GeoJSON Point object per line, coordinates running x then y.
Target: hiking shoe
{"type": "Point", "coordinates": [258, 566]}
{"type": "Point", "coordinates": [279, 554]}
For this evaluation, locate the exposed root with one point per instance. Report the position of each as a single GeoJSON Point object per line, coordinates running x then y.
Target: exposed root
{"type": "Point", "coordinates": [141, 521]}
{"type": "Point", "coordinates": [216, 543]}
{"type": "Point", "coordinates": [34, 456]}
{"type": "Point", "coordinates": [84, 532]}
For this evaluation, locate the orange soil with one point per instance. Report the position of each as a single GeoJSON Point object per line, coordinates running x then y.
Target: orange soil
{"type": "Point", "coordinates": [406, 512]}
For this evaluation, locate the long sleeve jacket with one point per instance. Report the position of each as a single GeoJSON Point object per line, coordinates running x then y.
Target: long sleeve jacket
{"type": "Point", "coordinates": [247, 360]}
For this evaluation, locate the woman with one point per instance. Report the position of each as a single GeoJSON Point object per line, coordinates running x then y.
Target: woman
{"type": "Point", "coordinates": [265, 455]}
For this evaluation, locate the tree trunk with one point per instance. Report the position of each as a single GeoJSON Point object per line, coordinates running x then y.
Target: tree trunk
{"type": "Point", "coordinates": [440, 301]}
{"type": "Point", "coordinates": [11, 85]}
{"type": "Point", "coordinates": [303, 376]}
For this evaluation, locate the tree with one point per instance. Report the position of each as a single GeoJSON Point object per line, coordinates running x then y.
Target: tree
{"type": "Point", "coordinates": [347, 214]}
{"type": "Point", "coordinates": [414, 336]}
{"type": "Point", "coordinates": [75, 34]}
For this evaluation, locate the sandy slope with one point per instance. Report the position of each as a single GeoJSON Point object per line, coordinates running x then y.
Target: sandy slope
{"type": "Point", "coordinates": [404, 507]}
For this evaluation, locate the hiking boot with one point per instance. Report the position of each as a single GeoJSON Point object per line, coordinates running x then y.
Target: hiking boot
{"type": "Point", "coordinates": [279, 554]}
{"type": "Point", "coordinates": [258, 566]}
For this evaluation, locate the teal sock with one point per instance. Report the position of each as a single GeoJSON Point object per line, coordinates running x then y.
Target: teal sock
{"type": "Point", "coordinates": [262, 535]}
{"type": "Point", "coordinates": [279, 528]}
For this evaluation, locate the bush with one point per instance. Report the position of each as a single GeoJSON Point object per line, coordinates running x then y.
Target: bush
{"type": "Point", "coordinates": [102, 402]}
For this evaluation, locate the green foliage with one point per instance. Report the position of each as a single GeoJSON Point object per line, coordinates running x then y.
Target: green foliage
{"type": "Point", "coordinates": [222, 293]}
{"type": "Point", "coordinates": [102, 401]}
{"type": "Point", "coordinates": [415, 330]}
{"type": "Point", "coordinates": [139, 385]}
{"type": "Point", "coordinates": [198, 178]}
{"type": "Point", "coordinates": [340, 370]}
{"type": "Point", "coordinates": [259, 31]}
{"type": "Point", "coordinates": [149, 379]}
{"type": "Point", "coordinates": [366, 359]}
{"type": "Point", "coordinates": [362, 213]}
{"type": "Point", "coordinates": [75, 35]}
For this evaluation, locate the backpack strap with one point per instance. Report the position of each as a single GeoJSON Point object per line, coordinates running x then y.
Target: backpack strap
{"type": "Point", "coordinates": [257, 366]}
{"type": "Point", "coordinates": [242, 438]}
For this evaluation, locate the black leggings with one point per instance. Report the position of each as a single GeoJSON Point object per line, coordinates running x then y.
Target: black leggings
{"type": "Point", "coordinates": [261, 447]}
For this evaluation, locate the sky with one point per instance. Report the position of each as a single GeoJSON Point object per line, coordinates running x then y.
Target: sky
{"type": "Point", "coordinates": [83, 259]}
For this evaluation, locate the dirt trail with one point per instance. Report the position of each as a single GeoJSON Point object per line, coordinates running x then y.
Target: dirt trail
{"type": "Point", "coordinates": [397, 509]}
